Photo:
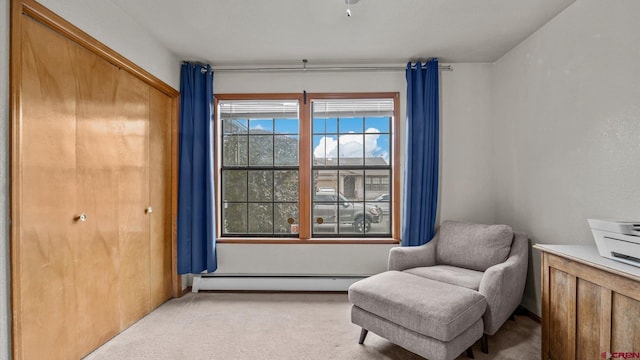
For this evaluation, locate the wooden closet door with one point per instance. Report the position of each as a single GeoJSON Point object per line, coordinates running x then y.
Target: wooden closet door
{"type": "Point", "coordinates": [132, 114]}
{"type": "Point", "coordinates": [44, 293]}
{"type": "Point", "coordinates": [98, 158]}
{"type": "Point", "coordinates": [160, 196]}
{"type": "Point", "coordinates": [88, 137]}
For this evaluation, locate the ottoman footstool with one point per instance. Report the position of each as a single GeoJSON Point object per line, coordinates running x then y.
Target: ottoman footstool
{"type": "Point", "coordinates": [433, 319]}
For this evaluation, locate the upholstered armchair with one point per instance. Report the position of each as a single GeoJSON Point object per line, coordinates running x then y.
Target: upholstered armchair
{"type": "Point", "coordinates": [490, 259]}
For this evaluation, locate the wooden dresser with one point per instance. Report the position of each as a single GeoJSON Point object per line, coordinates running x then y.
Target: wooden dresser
{"type": "Point", "coordinates": [590, 304]}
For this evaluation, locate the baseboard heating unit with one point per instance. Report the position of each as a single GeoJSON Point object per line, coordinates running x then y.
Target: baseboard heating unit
{"type": "Point", "coordinates": [273, 283]}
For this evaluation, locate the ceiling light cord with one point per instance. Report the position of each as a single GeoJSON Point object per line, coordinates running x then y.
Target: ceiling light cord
{"type": "Point", "coordinates": [349, 3]}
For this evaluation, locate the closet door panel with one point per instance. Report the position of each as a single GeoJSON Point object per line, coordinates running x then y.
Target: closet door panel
{"type": "Point", "coordinates": [91, 134]}
{"type": "Point", "coordinates": [132, 112]}
{"type": "Point", "coordinates": [97, 177]}
{"type": "Point", "coordinates": [47, 197]}
{"type": "Point", "coordinates": [160, 196]}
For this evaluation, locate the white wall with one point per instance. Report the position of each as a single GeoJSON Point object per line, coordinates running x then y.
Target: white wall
{"type": "Point", "coordinates": [466, 180]}
{"type": "Point", "coordinates": [5, 322]}
{"type": "Point", "coordinates": [106, 22]}
{"type": "Point", "coordinates": [567, 127]}
{"type": "Point", "coordinates": [466, 175]}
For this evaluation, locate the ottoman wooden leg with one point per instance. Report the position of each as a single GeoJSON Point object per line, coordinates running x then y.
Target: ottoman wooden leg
{"type": "Point", "coordinates": [470, 353]}
{"type": "Point", "coordinates": [363, 334]}
{"type": "Point", "coordinates": [484, 343]}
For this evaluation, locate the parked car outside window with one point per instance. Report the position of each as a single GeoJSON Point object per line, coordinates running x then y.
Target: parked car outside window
{"type": "Point", "coordinates": [383, 202]}
{"type": "Point", "coordinates": [333, 208]}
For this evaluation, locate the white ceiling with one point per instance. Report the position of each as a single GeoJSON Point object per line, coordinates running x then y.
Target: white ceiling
{"type": "Point", "coordinates": [265, 32]}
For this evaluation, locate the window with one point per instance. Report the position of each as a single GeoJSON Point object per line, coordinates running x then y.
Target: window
{"type": "Point", "coordinates": [351, 148]}
{"type": "Point", "coordinates": [259, 167]}
{"type": "Point", "coordinates": [319, 167]}
{"type": "Point", "coordinates": [378, 184]}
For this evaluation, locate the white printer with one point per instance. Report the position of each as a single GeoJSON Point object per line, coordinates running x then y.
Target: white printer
{"type": "Point", "coordinates": [617, 240]}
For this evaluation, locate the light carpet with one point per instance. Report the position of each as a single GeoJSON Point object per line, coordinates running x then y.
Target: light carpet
{"type": "Point", "coordinates": [229, 326]}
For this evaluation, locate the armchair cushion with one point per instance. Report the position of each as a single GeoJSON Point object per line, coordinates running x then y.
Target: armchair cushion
{"type": "Point", "coordinates": [473, 246]}
{"type": "Point", "coordinates": [450, 275]}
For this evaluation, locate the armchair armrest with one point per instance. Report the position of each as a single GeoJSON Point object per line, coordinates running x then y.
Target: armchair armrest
{"type": "Point", "coordinates": [503, 285]}
{"type": "Point", "coordinates": [402, 258]}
